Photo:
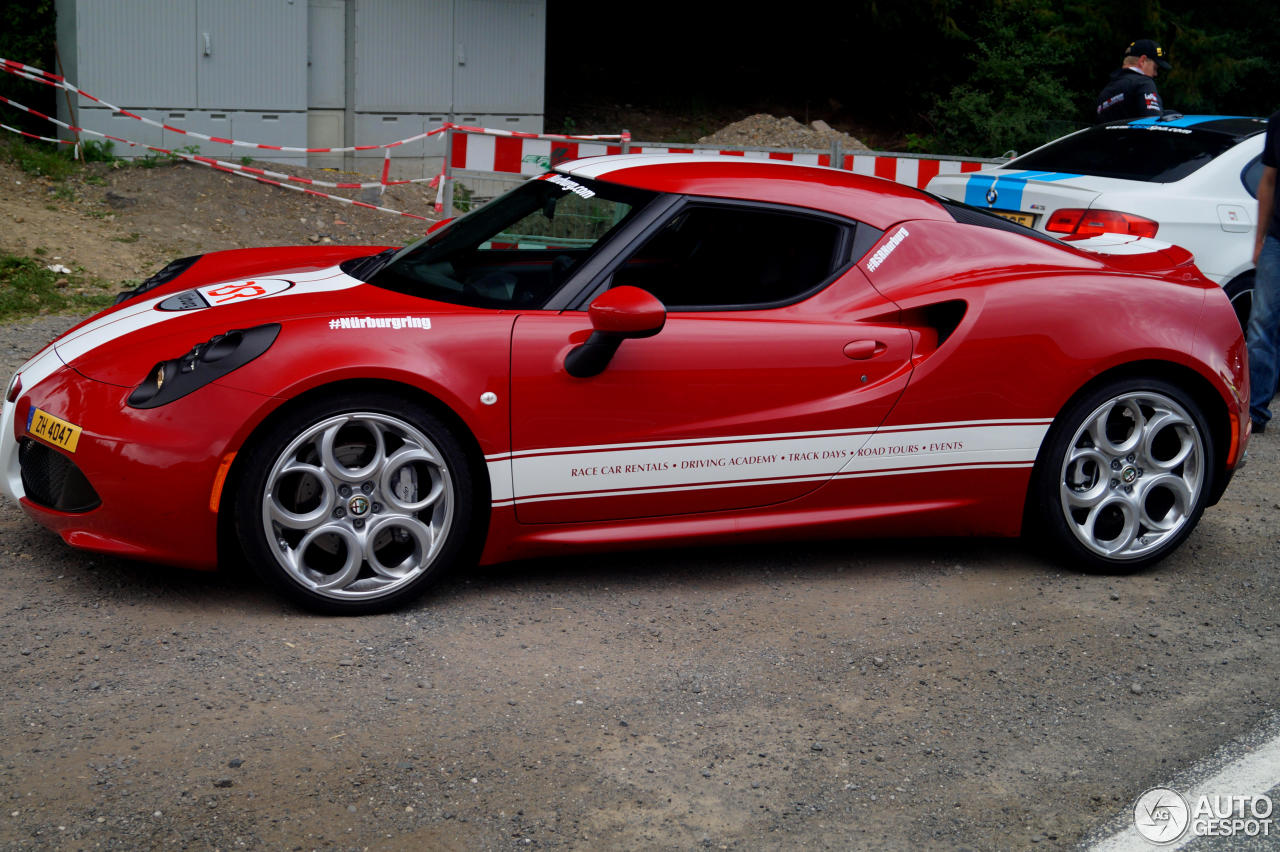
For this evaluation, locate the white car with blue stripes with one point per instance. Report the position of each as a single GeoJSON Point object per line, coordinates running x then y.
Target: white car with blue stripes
{"type": "Point", "coordinates": [1185, 180]}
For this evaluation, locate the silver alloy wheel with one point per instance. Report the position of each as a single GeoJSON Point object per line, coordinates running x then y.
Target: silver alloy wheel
{"type": "Point", "coordinates": [1132, 475]}
{"type": "Point", "coordinates": [358, 506]}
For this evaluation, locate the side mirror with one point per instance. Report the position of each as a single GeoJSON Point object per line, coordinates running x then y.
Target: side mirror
{"type": "Point", "coordinates": [435, 226]}
{"type": "Point", "coordinates": [616, 315]}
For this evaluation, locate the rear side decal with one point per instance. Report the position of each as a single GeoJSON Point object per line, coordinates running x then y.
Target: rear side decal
{"type": "Point", "coordinates": [1005, 191]}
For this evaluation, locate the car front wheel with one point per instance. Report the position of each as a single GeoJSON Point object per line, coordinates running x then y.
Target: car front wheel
{"type": "Point", "coordinates": [354, 505]}
{"type": "Point", "coordinates": [1124, 476]}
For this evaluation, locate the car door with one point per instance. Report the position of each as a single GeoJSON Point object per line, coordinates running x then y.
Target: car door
{"type": "Point", "coordinates": [743, 399]}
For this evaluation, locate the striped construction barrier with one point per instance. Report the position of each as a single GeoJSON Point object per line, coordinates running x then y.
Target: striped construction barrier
{"type": "Point", "coordinates": [476, 149]}
{"type": "Point", "coordinates": [479, 151]}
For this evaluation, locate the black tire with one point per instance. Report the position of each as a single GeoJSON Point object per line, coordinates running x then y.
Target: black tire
{"type": "Point", "coordinates": [354, 503]}
{"type": "Point", "coordinates": [1123, 476]}
{"type": "Point", "coordinates": [1240, 291]}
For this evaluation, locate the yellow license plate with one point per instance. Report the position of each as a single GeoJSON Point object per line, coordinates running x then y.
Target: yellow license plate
{"type": "Point", "coordinates": [1021, 218]}
{"type": "Point", "coordinates": [56, 431]}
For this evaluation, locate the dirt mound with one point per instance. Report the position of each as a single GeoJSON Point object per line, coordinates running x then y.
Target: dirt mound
{"type": "Point", "coordinates": [768, 131]}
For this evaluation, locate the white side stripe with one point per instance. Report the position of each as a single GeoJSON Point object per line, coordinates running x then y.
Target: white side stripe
{"type": "Point", "coordinates": [574, 473]}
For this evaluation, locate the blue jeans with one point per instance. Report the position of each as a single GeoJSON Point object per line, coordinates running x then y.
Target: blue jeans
{"type": "Point", "coordinates": [1263, 335]}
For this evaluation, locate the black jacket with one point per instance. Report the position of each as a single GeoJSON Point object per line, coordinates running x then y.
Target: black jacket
{"type": "Point", "coordinates": [1128, 94]}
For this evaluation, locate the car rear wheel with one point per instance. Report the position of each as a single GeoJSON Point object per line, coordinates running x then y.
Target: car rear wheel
{"type": "Point", "coordinates": [1240, 291]}
{"type": "Point", "coordinates": [354, 505]}
{"type": "Point", "coordinates": [1124, 475]}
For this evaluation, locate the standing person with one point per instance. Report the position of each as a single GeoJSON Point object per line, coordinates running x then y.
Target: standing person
{"type": "Point", "coordinates": [1131, 91]}
{"type": "Point", "coordinates": [1263, 335]}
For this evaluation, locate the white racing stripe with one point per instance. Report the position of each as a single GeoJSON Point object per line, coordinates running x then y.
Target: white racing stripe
{"type": "Point", "coordinates": [114, 325]}
{"type": "Point", "coordinates": [135, 317]}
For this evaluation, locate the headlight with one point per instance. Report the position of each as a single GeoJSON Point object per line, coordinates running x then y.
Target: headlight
{"type": "Point", "coordinates": [15, 388]}
{"type": "Point", "coordinates": [213, 359]}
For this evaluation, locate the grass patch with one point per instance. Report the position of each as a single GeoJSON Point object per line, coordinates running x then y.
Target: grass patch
{"type": "Point", "coordinates": [40, 159]}
{"type": "Point", "coordinates": [28, 289]}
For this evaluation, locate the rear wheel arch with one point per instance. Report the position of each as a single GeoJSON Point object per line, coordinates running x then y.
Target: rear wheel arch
{"type": "Point", "coordinates": [1240, 291]}
{"type": "Point", "coordinates": [1190, 382]}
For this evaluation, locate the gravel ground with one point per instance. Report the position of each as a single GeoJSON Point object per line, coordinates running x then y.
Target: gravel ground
{"type": "Point", "coordinates": [900, 694]}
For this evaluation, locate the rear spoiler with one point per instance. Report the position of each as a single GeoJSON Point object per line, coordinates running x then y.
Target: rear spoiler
{"type": "Point", "coordinates": [1140, 254]}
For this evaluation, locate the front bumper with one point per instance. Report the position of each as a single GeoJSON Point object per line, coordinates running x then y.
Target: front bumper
{"type": "Point", "coordinates": [152, 472]}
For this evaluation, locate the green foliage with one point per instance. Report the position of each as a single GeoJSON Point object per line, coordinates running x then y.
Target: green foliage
{"type": "Point", "coordinates": [1015, 97]}
{"type": "Point", "coordinates": [39, 159]}
{"type": "Point", "coordinates": [98, 151]}
{"type": "Point", "coordinates": [150, 161]}
{"type": "Point", "coordinates": [43, 159]}
{"type": "Point", "coordinates": [27, 36]}
{"type": "Point", "coordinates": [462, 198]}
{"type": "Point", "coordinates": [27, 289]}
{"type": "Point", "coordinates": [1223, 58]}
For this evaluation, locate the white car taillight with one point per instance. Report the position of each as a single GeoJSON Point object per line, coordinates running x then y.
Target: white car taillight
{"type": "Point", "coordinates": [1080, 223]}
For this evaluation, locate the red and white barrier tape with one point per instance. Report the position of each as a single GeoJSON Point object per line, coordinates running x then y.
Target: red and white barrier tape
{"type": "Point", "coordinates": [260, 175]}
{"type": "Point", "coordinates": [34, 136]}
{"type": "Point", "coordinates": [481, 149]}
{"type": "Point", "coordinates": [38, 75]}
{"type": "Point", "coordinates": [214, 164]}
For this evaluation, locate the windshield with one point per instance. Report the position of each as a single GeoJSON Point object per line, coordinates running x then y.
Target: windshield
{"type": "Point", "coordinates": [1156, 153]}
{"type": "Point", "coordinates": [516, 251]}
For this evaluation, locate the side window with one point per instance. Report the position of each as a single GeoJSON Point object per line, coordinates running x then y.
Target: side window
{"type": "Point", "coordinates": [730, 257]}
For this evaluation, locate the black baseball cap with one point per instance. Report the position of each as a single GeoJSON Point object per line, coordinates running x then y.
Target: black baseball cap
{"type": "Point", "coordinates": [1148, 48]}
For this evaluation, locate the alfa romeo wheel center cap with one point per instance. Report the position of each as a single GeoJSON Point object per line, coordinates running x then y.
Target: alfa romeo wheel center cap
{"type": "Point", "coordinates": [1129, 475]}
{"type": "Point", "coordinates": [358, 506]}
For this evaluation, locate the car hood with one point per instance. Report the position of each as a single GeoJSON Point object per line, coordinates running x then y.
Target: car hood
{"type": "Point", "coordinates": [218, 293]}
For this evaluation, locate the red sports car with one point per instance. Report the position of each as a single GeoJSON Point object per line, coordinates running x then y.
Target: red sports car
{"type": "Point", "coordinates": [638, 350]}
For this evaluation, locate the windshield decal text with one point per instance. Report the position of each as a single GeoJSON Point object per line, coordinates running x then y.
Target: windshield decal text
{"type": "Point", "coordinates": [1163, 128]}
{"type": "Point", "coordinates": [571, 186]}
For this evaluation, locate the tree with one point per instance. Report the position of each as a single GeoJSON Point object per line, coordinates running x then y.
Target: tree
{"type": "Point", "coordinates": [27, 36]}
{"type": "Point", "coordinates": [1015, 98]}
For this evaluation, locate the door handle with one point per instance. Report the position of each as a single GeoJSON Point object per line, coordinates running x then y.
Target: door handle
{"type": "Point", "coordinates": [861, 350]}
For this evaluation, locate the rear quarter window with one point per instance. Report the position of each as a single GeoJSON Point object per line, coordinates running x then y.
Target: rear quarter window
{"type": "Point", "coordinates": [1252, 176]}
